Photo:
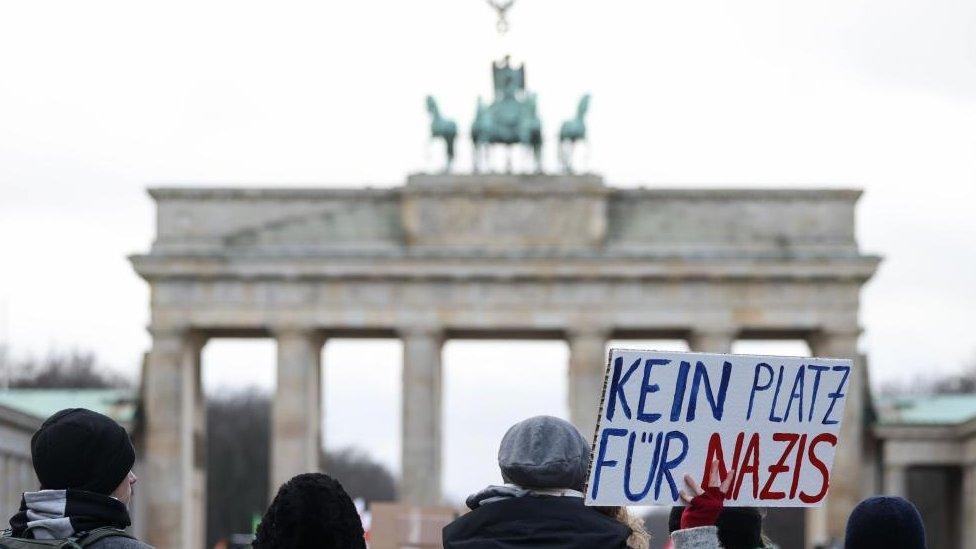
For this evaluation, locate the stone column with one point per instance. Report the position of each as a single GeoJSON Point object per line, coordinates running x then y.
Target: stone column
{"type": "Point", "coordinates": [712, 340]}
{"type": "Point", "coordinates": [968, 511]}
{"type": "Point", "coordinates": [421, 401]}
{"type": "Point", "coordinates": [895, 480]}
{"type": "Point", "coordinates": [7, 506]}
{"type": "Point", "coordinates": [847, 475]}
{"type": "Point", "coordinates": [587, 370]}
{"type": "Point", "coordinates": [175, 443]}
{"type": "Point", "coordinates": [296, 417]}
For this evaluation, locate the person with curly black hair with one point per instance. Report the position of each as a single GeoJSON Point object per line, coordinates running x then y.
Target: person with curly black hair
{"type": "Point", "coordinates": [311, 510]}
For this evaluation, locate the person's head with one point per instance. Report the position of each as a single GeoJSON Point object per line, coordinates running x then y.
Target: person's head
{"type": "Point", "coordinates": [738, 527]}
{"type": "Point", "coordinates": [544, 452]}
{"type": "Point", "coordinates": [889, 522]}
{"type": "Point", "coordinates": [311, 510]}
{"type": "Point", "coordinates": [84, 450]}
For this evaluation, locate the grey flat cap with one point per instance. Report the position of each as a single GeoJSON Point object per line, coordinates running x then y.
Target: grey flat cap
{"type": "Point", "coordinates": [544, 452]}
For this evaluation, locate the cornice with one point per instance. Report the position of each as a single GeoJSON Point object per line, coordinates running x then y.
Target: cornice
{"type": "Point", "coordinates": [155, 267]}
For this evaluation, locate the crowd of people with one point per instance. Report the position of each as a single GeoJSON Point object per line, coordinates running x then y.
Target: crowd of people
{"type": "Point", "coordinates": [84, 461]}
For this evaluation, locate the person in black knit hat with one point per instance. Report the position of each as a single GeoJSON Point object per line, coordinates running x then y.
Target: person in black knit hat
{"type": "Point", "coordinates": [81, 449]}
{"type": "Point", "coordinates": [311, 510]}
{"type": "Point", "coordinates": [83, 461]}
{"type": "Point", "coordinates": [885, 522]}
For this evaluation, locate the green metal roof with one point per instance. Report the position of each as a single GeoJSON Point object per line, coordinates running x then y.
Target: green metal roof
{"type": "Point", "coordinates": [119, 404]}
{"type": "Point", "coordinates": [929, 410]}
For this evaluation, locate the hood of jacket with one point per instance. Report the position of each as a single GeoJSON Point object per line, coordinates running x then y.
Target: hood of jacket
{"type": "Point", "coordinates": [496, 493]}
{"type": "Point", "coordinates": [58, 514]}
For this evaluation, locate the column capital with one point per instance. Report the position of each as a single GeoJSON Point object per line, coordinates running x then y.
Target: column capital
{"type": "Point", "coordinates": [177, 334]}
{"type": "Point", "coordinates": [713, 339]}
{"type": "Point", "coordinates": [159, 331]}
{"type": "Point", "coordinates": [296, 330]}
{"type": "Point", "coordinates": [728, 329]}
{"type": "Point", "coordinates": [830, 342]}
{"type": "Point", "coordinates": [597, 331]}
{"type": "Point", "coordinates": [421, 330]}
{"type": "Point", "coordinates": [845, 332]}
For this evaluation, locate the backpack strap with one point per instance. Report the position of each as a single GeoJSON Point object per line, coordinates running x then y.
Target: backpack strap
{"type": "Point", "coordinates": [8, 541]}
{"type": "Point", "coordinates": [78, 541]}
{"type": "Point", "coordinates": [86, 539]}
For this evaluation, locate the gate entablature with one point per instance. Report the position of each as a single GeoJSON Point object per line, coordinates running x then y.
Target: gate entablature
{"type": "Point", "coordinates": [508, 215]}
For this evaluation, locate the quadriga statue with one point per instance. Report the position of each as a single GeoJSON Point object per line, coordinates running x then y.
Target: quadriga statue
{"type": "Point", "coordinates": [570, 132]}
{"type": "Point", "coordinates": [443, 128]}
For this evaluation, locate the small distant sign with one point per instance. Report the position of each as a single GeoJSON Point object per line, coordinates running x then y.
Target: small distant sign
{"type": "Point", "coordinates": [774, 420]}
{"type": "Point", "coordinates": [403, 526]}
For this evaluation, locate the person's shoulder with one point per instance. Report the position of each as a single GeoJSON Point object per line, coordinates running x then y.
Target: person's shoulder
{"type": "Point", "coordinates": [516, 522]}
{"type": "Point", "coordinates": [120, 542]}
{"type": "Point", "coordinates": [701, 537]}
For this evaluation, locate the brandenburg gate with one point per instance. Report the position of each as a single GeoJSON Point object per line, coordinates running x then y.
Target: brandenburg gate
{"type": "Point", "coordinates": [479, 256]}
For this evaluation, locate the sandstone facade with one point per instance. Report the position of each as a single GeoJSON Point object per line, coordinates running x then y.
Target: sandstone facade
{"type": "Point", "coordinates": [490, 256]}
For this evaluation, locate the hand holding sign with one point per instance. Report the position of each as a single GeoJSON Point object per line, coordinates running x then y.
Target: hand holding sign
{"type": "Point", "coordinates": [695, 489]}
{"type": "Point", "coordinates": [704, 506]}
{"type": "Point", "coordinates": [767, 425]}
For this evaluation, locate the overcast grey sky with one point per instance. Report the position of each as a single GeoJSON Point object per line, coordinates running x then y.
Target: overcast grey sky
{"type": "Point", "coordinates": [100, 99]}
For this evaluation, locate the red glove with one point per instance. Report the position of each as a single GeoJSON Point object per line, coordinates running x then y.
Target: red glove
{"type": "Point", "coordinates": [704, 509]}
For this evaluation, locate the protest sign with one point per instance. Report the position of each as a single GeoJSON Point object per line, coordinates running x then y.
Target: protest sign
{"type": "Point", "coordinates": [774, 420]}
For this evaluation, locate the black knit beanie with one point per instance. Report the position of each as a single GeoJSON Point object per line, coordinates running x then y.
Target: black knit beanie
{"type": "Point", "coordinates": [81, 449]}
{"type": "Point", "coordinates": [888, 522]}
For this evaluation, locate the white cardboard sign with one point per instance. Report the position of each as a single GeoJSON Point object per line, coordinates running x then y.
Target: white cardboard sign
{"type": "Point", "coordinates": [773, 419]}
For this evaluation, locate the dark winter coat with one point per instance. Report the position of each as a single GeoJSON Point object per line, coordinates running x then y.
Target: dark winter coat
{"type": "Point", "coordinates": [539, 522]}
{"type": "Point", "coordinates": [544, 461]}
{"type": "Point", "coordinates": [120, 543]}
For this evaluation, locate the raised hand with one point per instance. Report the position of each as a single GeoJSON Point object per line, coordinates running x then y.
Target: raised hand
{"type": "Point", "coordinates": [694, 489]}
{"type": "Point", "coordinates": [705, 505]}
